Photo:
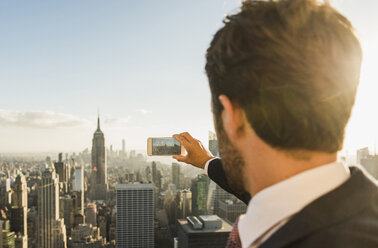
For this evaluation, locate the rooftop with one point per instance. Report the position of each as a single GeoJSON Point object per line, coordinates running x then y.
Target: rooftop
{"type": "Point", "coordinates": [132, 186]}
{"type": "Point", "coordinates": [188, 229]}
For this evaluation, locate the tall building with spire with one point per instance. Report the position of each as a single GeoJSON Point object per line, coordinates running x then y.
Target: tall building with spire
{"type": "Point", "coordinates": [99, 182]}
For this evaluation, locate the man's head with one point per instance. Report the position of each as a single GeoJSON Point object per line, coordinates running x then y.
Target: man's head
{"type": "Point", "coordinates": [292, 68]}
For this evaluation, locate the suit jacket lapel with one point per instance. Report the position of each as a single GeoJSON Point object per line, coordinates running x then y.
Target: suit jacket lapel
{"type": "Point", "coordinates": [339, 204]}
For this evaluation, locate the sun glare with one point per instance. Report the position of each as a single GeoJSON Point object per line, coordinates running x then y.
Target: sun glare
{"type": "Point", "coordinates": [362, 127]}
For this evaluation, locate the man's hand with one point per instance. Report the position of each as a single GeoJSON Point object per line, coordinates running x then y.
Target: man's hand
{"type": "Point", "coordinates": [197, 155]}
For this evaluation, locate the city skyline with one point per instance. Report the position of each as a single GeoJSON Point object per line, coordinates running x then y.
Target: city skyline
{"type": "Point", "coordinates": [61, 61]}
{"type": "Point", "coordinates": [84, 84]}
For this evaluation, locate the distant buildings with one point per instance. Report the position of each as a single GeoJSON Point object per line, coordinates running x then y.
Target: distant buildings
{"type": "Point", "coordinates": [86, 236]}
{"type": "Point", "coordinates": [91, 214]}
{"type": "Point", "coordinates": [123, 146]}
{"type": "Point", "coordinates": [135, 216]}
{"type": "Point", "coordinates": [362, 153]}
{"type": "Point", "coordinates": [369, 162]}
{"type": "Point", "coordinates": [154, 172]}
{"type": "Point", "coordinates": [99, 182]}
{"type": "Point", "coordinates": [172, 188]}
{"type": "Point", "coordinates": [371, 165]}
{"type": "Point", "coordinates": [214, 195]}
{"type": "Point", "coordinates": [184, 203]}
{"type": "Point", "coordinates": [148, 174]}
{"type": "Point", "coordinates": [176, 174]}
{"type": "Point", "coordinates": [230, 210]}
{"type": "Point", "coordinates": [206, 231]}
{"type": "Point", "coordinates": [62, 169]}
{"type": "Point", "coordinates": [57, 216]}
{"type": "Point", "coordinates": [157, 180]}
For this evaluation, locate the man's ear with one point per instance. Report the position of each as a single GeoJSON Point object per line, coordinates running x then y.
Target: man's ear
{"type": "Point", "coordinates": [233, 117]}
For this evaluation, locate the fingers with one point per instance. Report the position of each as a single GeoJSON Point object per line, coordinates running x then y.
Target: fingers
{"type": "Point", "coordinates": [183, 141]}
{"type": "Point", "coordinates": [187, 136]}
{"type": "Point", "coordinates": [180, 158]}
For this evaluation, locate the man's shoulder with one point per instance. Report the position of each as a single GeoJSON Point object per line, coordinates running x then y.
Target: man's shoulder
{"type": "Point", "coordinates": [345, 217]}
{"type": "Point", "coordinates": [360, 230]}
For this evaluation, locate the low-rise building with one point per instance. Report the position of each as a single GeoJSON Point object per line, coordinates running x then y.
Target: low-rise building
{"type": "Point", "coordinates": [208, 231]}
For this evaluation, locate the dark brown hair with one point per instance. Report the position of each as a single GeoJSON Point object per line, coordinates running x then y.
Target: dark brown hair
{"type": "Point", "coordinates": [293, 66]}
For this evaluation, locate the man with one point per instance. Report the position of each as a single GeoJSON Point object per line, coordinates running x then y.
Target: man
{"type": "Point", "coordinates": [283, 77]}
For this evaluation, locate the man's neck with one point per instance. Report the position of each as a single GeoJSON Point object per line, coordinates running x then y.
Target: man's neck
{"type": "Point", "coordinates": [274, 166]}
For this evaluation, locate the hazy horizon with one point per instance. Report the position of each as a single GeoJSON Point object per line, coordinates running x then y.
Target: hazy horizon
{"type": "Point", "coordinates": [141, 63]}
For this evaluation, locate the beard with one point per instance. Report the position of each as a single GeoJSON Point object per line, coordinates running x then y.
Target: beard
{"type": "Point", "coordinates": [233, 162]}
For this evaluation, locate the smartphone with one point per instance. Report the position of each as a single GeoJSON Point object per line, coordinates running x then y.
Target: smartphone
{"type": "Point", "coordinates": [163, 146]}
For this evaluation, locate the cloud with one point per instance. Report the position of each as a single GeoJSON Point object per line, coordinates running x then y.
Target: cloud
{"type": "Point", "coordinates": [116, 120]}
{"type": "Point", "coordinates": [143, 111]}
{"type": "Point", "coordinates": [40, 119]}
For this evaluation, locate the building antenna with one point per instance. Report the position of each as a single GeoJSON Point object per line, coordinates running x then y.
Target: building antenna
{"type": "Point", "coordinates": [98, 118]}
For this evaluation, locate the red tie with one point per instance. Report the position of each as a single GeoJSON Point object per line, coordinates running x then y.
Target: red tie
{"type": "Point", "coordinates": [234, 239]}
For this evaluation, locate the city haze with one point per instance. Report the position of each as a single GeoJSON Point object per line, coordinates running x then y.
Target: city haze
{"type": "Point", "coordinates": [141, 63]}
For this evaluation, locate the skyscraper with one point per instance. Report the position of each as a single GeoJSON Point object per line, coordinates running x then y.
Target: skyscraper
{"type": "Point", "coordinates": [62, 169]}
{"type": "Point", "coordinates": [51, 229]}
{"type": "Point", "coordinates": [185, 203]}
{"type": "Point", "coordinates": [199, 194]}
{"type": "Point", "coordinates": [148, 174]}
{"type": "Point", "coordinates": [213, 144]}
{"type": "Point", "coordinates": [78, 179]}
{"type": "Point", "coordinates": [230, 210]}
{"type": "Point", "coordinates": [370, 163]}
{"type": "Point", "coordinates": [91, 214]}
{"type": "Point", "coordinates": [154, 172]}
{"type": "Point", "coordinates": [19, 211]}
{"type": "Point", "coordinates": [66, 207]}
{"type": "Point", "coordinates": [214, 195]}
{"type": "Point", "coordinates": [176, 174]}
{"type": "Point", "coordinates": [20, 192]}
{"type": "Point", "coordinates": [78, 189]}
{"type": "Point", "coordinates": [135, 216]}
{"type": "Point", "coordinates": [99, 184]}
{"type": "Point", "coordinates": [362, 153]}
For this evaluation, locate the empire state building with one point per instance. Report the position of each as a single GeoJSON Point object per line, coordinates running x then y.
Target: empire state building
{"type": "Point", "coordinates": [99, 182]}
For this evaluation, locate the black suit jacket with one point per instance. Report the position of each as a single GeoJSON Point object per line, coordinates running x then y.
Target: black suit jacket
{"type": "Point", "coordinates": [345, 217]}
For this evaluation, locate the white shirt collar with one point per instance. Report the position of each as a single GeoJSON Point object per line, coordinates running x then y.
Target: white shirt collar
{"type": "Point", "coordinates": [288, 197]}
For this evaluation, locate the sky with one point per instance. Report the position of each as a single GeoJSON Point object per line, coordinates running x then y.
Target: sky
{"type": "Point", "coordinates": [139, 63]}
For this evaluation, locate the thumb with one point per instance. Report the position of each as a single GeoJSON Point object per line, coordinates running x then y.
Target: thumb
{"type": "Point", "coordinates": [180, 158]}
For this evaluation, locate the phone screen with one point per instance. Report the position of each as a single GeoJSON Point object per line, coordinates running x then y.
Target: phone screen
{"type": "Point", "coordinates": [166, 147]}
